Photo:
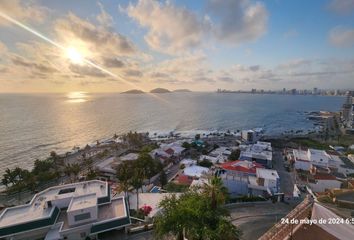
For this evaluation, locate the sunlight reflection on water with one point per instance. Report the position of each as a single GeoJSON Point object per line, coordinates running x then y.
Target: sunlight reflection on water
{"type": "Point", "coordinates": [77, 97]}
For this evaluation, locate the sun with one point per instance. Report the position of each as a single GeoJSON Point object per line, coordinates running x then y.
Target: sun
{"type": "Point", "coordinates": [74, 55]}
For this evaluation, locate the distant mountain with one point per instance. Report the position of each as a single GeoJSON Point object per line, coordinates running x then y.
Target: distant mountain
{"type": "Point", "coordinates": [182, 90]}
{"type": "Point", "coordinates": [134, 91]}
{"type": "Point", "coordinates": [160, 90]}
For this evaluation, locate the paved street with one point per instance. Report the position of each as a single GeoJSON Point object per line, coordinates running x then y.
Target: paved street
{"type": "Point", "coordinates": [286, 178]}
{"type": "Point", "coordinates": [255, 219]}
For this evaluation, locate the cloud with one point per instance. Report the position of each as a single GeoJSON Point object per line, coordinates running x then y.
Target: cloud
{"type": "Point", "coordinates": [293, 64]}
{"type": "Point", "coordinates": [112, 62]}
{"type": "Point", "coordinates": [43, 68]}
{"type": "Point", "coordinates": [22, 11]}
{"type": "Point", "coordinates": [226, 79]}
{"type": "Point", "coordinates": [342, 37]}
{"type": "Point", "coordinates": [171, 29]}
{"type": "Point", "coordinates": [85, 70]}
{"type": "Point", "coordinates": [159, 75]}
{"type": "Point", "coordinates": [104, 18]}
{"type": "Point", "coordinates": [133, 73]}
{"type": "Point", "coordinates": [175, 30]}
{"type": "Point", "coordinates": [341, 7]}
{"type": "Point", "coordinates": [3, 48]}
{"type": "Point", "coordinates": [98, 39]}
{"type": "Point", "coordinates": [236, 22]}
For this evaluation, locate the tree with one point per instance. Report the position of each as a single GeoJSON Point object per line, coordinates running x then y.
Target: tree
{"type": "Point", "coordinates": [18, 179]}
{"type": "Point", "coordinates": [91, 174]}
{"type": "Point", "coordinates": [137, 182]}
{"type": "Point", "coordinates": [163, 178]}
{"type": "Point", "coordinates": [124, 174]}
{"type": "Point", "coordinates": [148, 165]}
{"type": "Point", "coordinates": [215, 191]}
{"type": "Point", "coordinates": [53, 155]}
{"type": "Point", "coordinates": [72, 170]}
{"type": "Point", "coordinates": [186, 145]}
{"type": "Point", "coordinates": [75, 169]}
{"type": "Point", "coordinates": [235, 154]}
{"type": "Point", "coordinates": [205, 163]}
{"type": "Point", "coordinates": [192, 217]}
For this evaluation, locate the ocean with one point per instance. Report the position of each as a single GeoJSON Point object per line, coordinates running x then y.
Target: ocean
{"type": "Point", "coordinates": [32, 125]}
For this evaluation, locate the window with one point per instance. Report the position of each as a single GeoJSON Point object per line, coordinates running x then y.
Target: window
{"type": "Point", "coordinates": [82, 216]}
{"type": "Point", "coordinates": [83, 234]}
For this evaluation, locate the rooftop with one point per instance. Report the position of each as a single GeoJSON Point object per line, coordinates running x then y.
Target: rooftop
{"type": "Point", "coordinates": [129, 157]}
{"type": "Point", "coordinates": [38, 209]}
{"type": "Point", "coordinates": [82, 202]}
{"type": "Point", "coordinates": [261, 150]}
{"type": "Point", "coordinates": [267, 173]}
{"type": "Point", "coordinates": [105, 212]}
{"type": "Point", "coordinates": [323, 176]}
{"type": "Point", "coordinates": [242, 166]}
{"type": "Point", "coordinates": [195, 171]}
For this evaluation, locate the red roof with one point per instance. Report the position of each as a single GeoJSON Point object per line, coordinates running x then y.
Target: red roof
{"type": "Point", "coordinates": [241, 166]}
{"type": "Point", "coordinates": [170, 151]}
{"type": "Point", "coordinates": [322, 176]}
{"type": "Point", "coordinates": [184, 179]}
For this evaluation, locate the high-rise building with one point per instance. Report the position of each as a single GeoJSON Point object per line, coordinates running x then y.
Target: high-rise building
{"type": "Point", "coordinates": [348, 110]}
{"type": "Point", "coordinates": [315, 91]}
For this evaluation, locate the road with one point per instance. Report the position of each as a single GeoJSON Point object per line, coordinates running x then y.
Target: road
{"type": "Point", "coordinates": [256, 218]}
{"type": "Point", "coordinates": [287, 179]}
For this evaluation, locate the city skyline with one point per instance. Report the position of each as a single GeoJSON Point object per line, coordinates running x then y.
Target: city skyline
{"type": "Point", "coordinates": [109, 46]}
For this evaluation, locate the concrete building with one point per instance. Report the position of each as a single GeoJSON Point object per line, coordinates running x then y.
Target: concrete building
{"type": "Point", "coordinates": [265, 181]}
{"type": "Point", "coordinates": [348, 111]}
{"type": "Point", "coordinates": [249, 136]}
{"type": "Point", "coordinates": [260, 152]}
{"type": "Point", "coordinates": [322, 182]}
{"type": "Point", "coordinates": [73, 211]}
{"type": "Point", "coordinates": [305, 159]}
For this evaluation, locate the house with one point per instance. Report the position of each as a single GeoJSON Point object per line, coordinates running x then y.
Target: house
{"type": "Point", "coordinates": [129, 157]}
{"type": "Point", "coordinates": [185, 180]}
{"type": "Point", "coordinates": [265, 181]}
{"type": "Point", "coordinates": [187, 162]}
{"type": "Point", "coordinates": [72, 211]}
{"type": "Point", "coordinates": [305, 158]}
{"type": "Point", "coordinates": [195, 171]}
{"type": "Point", "coordinates": [173, 149]}
{"type": "Point", "coordinates": [320, 182]}
{"type": "Point", "coordinates": [166, 151]}
{"type": "Point", "coordinates": [107, 168]}
{"type": "Point", "coordinates": [260, 152]}
{"type": "Point", "coordinates": [240, 168]}
{"type": "Point", "coordinates": [235, 176]}
{"type": "Point", "coordinates": [249, 136]}
{"type": "Point", "coordinates": [218, 155]}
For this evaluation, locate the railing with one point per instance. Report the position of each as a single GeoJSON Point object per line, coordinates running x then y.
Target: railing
{"type": "Point", "coordinates": [280, 230]}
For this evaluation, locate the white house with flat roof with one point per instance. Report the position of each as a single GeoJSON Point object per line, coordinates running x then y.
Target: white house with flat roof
{"type": "Point", "coordinates": [304, 159]}
{"type": "Point", "coordinates": [195, 171]}
{"type": "Point", "coordinates": [260, 152]}
{"type": "Point", "coordinates": [266, 180]}
{"type": "Point", "coordinates": [73, 211]}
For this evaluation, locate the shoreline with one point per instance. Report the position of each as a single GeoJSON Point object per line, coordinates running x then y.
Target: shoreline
{"type": "Point", "coordinates": [163, 135]}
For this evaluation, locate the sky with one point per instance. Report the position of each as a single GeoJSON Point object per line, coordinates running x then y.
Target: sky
{"type": "Point", "coordinates": [114, 46]}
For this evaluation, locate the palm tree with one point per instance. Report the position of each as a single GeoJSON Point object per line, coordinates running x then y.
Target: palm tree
{"type": "Point", "coordinates": [137, 182]}
{"type": "Point", "coordinates": [215, 191]}
{"type": "Point", "coordinates": [124, 174]}
{"type": "Point", "coordinates": [75, 168]}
